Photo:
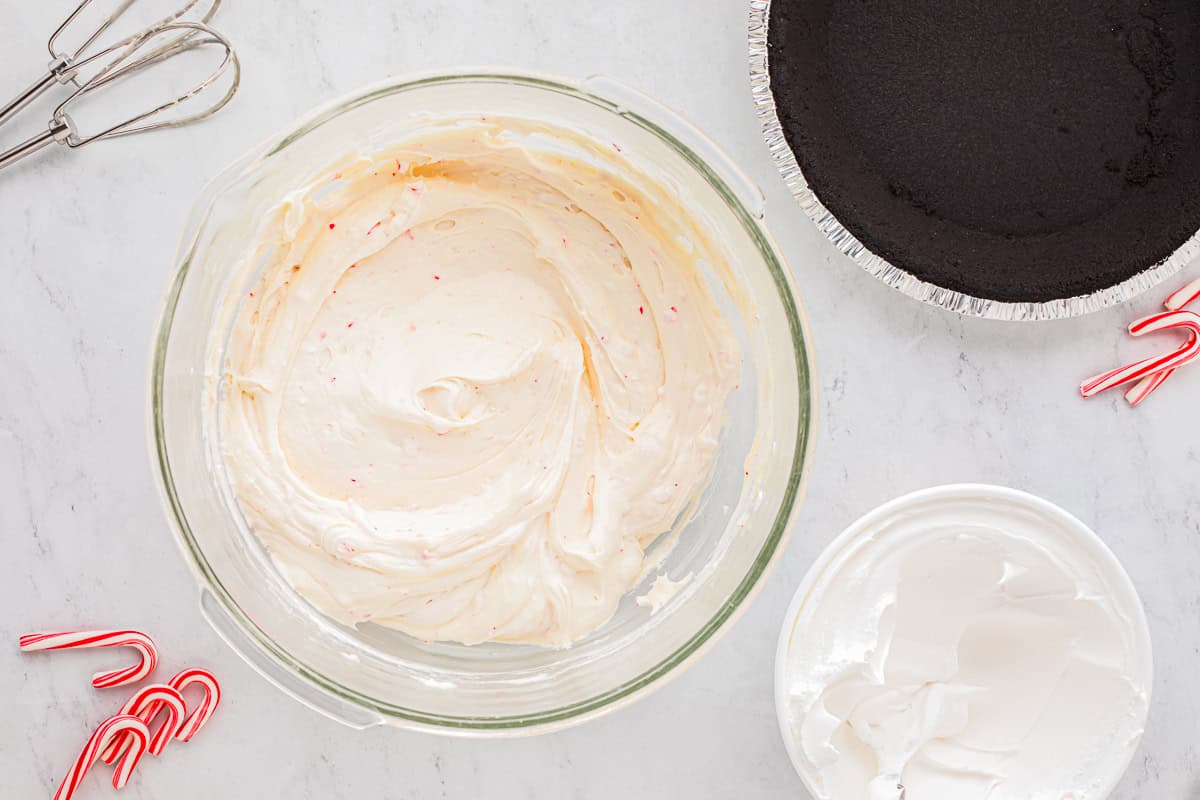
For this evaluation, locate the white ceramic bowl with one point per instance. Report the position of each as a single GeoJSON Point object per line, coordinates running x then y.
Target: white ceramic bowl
{"type": "Point", "coordinates": [971, 498]}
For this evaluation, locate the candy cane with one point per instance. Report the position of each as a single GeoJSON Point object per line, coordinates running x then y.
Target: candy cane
{"type": "Point", "coordinates": [84, 639]}
{"type": "Point", "coordinates": [1149, 384]}
{"type": "Point", "coordinates": [212, 697]}
{"type": "Point", "coordinates": [109, 730]}
{"type": "Point", "coordinates": [1184, 297]}
{"type": "Point", "coordinates": [1187, 352]}
{"type": "Point", "coordinates": [146, 704]}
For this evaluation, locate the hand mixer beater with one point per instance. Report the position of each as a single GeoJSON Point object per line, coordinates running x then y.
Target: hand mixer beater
{"type": "Point", "coordinates": [169, 37]}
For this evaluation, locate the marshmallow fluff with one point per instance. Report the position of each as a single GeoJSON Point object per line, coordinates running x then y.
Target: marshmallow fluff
{"type": "Point", "coordinates": [479, 375]}
{"type": "Point", "coordinates": [972, 648]}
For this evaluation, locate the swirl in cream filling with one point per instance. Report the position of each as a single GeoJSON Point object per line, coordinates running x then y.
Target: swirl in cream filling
{"type": "Point", "coordinates": [476, 380]}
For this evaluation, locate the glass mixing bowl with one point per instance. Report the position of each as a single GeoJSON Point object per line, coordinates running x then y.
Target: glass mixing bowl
{"type": "Point", "coordinates": [370, 675]}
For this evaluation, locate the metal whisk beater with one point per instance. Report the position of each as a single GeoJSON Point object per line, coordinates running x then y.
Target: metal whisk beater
{"type": "Point", "coordinates": [150, 47]}
{"type": "Point", "coordinates": [65, 65]}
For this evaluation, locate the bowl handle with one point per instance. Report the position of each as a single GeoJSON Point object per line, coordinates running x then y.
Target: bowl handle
{"type": "Point", "coordinates": [347, 713]}
{"type": "Point", "coordinates": [633, 102]}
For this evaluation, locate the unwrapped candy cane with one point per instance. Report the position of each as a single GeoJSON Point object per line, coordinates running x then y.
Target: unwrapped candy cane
{"type": "Point", "coordinates": [86, 639]}
{"type": "Point", "coordinates": [212, 697]}
{"type": "Point", "coordinates": [1149, 384]}
{"type": "Point", "coordinates": [1184, 297]}
{"type": "Point", "coordinates": [146, 704]}
{"type": "Point", "coordinates": [109, 730]}
{"type": "Point", "coordinates": [1149, 367]}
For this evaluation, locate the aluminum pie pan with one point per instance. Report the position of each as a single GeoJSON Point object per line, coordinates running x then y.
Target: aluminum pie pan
{"type": "Point", "coordinates": [894, 276]}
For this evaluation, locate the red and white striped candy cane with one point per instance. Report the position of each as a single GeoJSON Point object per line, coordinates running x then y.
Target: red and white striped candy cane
{"type": "Point", "coordinates": [1184, 297]}
{"type": "Point", "coordinates": [109, 730]}
{"type": "Point", "coordinates": [203, 712]}
{"type": "Point", "coordinates": [212, 697]}
{"type": "Point", "coordinates": [1149, 384]}
{"type": "Point", "coordinates": [1187, 352]}
{"type": "Point", "coordinates": [146, 704]}
{"type": "Point", "coordinates": [84, 639]}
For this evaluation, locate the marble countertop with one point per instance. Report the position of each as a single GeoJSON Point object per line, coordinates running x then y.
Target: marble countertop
{"type": "Point", "coordinates": [910, 397]}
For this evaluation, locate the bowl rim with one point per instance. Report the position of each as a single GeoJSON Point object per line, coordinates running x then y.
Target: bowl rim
{"type": "Point", "coordinates": [983, 492]}
{"type": "Point", "coordinates": [848, 244]}
{"type": "Point", "coordinates": [734, 605]}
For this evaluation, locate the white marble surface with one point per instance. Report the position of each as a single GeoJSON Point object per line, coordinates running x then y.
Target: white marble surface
{"type": "Point", "coordinates": [910, 397]}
